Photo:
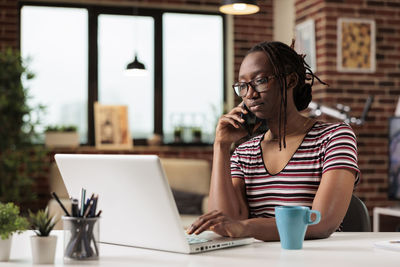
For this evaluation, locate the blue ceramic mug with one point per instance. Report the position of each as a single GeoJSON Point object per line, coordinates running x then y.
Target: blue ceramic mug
{"type": "Point", "coordinates": [292, 222]}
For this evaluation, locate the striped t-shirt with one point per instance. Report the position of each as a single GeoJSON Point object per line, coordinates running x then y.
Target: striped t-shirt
{"type": "Point", "coordinates": [325, 147]}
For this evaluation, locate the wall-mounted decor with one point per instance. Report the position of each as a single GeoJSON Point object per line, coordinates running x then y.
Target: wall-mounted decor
{"type": "Point", "coordinates": [111, 127]}
{"type": "Point", "coordinates": [394, 158]}
{"type": "Point", "coordinates": [397, 111]}
{"type": "Point", "coordinates": [356, 45]}
{"type": "Point", "coordinates": [305, 42]}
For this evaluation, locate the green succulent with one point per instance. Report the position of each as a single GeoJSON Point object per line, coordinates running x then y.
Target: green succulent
{"type": "Point", "coordinates": [65, 128]}
{"type": "Point", "coordinates": [41, 222]}
{"type": "Point", "coordinates": [10, 220]}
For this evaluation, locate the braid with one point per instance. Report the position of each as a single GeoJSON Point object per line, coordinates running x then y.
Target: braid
{"type": "Point", "coordinates": [285, 60]}
{"type": "Point", "coordinates": [272, 53]}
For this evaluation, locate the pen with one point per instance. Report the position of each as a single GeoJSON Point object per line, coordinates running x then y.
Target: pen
{"type": "Point", "coordinates": [74, 206]}
{"type": "Point", "coordinates": [83, 196]}
{"type": "Point", "coordinates": [94, 206]}
{"type": "Point", "coordinates": [59, 202]}
{"type": "Point", "coordinates": [395, 242]}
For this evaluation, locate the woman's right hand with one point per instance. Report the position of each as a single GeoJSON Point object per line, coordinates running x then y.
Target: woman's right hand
{"type": "Point", "coordinates": [229, 128]}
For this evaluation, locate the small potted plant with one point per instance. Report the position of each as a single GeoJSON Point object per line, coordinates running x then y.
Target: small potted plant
{"type": "Point", "coordinates": [178, 131]}
{"type": "Point", "coordinates": [196, 135]}
{"type": "Point", "coordinates": [61, 136]}
{"type": "Point", "coordinates": [10, 222]}
{"type": "Point", "coordinates": [43, 244]}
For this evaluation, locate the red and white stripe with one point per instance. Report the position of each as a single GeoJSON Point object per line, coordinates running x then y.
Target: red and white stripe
{"type": "Point", "coordinates": [326, 146]}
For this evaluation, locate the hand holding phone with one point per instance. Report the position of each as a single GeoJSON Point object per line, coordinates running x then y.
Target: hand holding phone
{"type": "Point", "coordinates": [250, 120]}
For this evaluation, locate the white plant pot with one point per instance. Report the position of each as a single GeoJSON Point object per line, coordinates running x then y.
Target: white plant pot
{"type": "Point", "coordinates": [43, 249]}
{"type": "Point", "coordinates": [62, 139]}
{"type": "Point", "coordinates": [5, 248]}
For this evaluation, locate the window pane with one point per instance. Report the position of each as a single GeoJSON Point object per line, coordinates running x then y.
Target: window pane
{"type": "Point", "coordinates": [56, 41]}
{"type": "Point", "coordinates": [193, 73]}
{"type": "Point", "coordinates": [120, 37]}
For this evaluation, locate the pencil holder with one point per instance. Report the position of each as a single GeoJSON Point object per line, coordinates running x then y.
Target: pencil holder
{"type": "Point", "coordinates": [81, 238]}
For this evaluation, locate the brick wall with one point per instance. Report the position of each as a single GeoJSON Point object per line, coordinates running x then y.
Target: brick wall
{"type": "Point", "coordinates": [252, 29]}
{"type": "Point", "coordinates": [9, 17]}
{"type": "Point", "coordinates": [352, 89]}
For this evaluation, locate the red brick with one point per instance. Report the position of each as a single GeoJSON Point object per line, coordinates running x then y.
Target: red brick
{"type": "Point", "coordinates": [393, 38]}
{"type": "Point", "coordinates": [375, 3]}
{"type": "Point", "coordinates": [393, 4]}
{"type": "Point", "coordinates": [389, 13]}
{"type": "Point", "coordinates": [364, 11]}
{"type": "Point", "coordinates": [345, 82]}
{"type": "Point", "coordinates": [384, 30]}
{"type": "Point", "coordinates": [394, 75]}
{"type": "Point", "coordinates": [344, 10]}
{"type": "Point", "coordinates": [365, 190]}
{"type": "Point", "coordinates": [357, 2]}
{"type": "Point", "coordinates": [387, 101]}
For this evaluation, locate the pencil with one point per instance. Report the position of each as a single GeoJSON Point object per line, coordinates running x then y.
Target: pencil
{"type": "Point", "coordinates": [59, 202]}
{"type": "Point", "coordinates": [88, 209]}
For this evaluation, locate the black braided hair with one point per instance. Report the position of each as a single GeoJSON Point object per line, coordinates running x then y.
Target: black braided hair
{"type": "Point", "coordinates": [285, 60]}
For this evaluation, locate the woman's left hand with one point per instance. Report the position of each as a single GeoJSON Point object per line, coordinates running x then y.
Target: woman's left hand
{"type": "Point", "coordinates": [219, 223]}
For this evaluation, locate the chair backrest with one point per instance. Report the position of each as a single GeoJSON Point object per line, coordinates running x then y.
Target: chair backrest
{"type": "Point", "coordinates": [357, 217]}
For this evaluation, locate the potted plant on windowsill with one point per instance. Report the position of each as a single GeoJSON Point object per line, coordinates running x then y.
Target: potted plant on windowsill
{"type": "Point", "coordinates": [178, 132]}
{"type": "Point", "coordinates": [10, 222]}
{"type": "Point", "coordinates": [196, 135]}
{"type": "Point", "coordinates": [61, 136]}
{"type": "Point", "coordinates": [43, 244]}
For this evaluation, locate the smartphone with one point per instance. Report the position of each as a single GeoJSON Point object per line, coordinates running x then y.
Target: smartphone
{"type": "Point", "coordinates": [250, 120]}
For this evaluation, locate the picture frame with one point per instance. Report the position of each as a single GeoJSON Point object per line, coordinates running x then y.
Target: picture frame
{"type": "Point", "coordinates": [356, 45]}
{"type": "Point", "coordinates": [111, 127]}
{"type": "Point", "coordinates": [305, 42]}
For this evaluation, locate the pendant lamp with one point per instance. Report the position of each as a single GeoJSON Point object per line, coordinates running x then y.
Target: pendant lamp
{"type": "Point", "coordinates": [135, 68]}
{"type": "Point", "coordinates": [239, 7]}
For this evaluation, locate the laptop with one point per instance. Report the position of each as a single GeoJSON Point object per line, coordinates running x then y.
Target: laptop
{"type": "Point", "coordinates": [138, 208]}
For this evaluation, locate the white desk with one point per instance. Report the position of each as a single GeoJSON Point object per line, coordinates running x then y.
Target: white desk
{"type": "Point", "coordinates": [341, 249]}
{"type": "Point", "coordinates": [392, 211]}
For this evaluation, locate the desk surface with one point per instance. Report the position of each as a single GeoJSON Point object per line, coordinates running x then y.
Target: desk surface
{"type": "Point", "coordinates": [341, 249]}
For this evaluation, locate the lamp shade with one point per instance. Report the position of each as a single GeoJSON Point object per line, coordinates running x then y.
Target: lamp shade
{"type": "Point", "coordinates": [239, 7]}
{"type": "Point", "coordinates": [136, 67]}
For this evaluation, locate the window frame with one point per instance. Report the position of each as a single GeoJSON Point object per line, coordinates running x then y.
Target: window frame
{"type": "Point", "coordinates": [93, 12]}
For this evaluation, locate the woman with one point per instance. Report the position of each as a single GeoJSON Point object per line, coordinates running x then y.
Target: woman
{"type": "Point", "coordinates": [298, 161]}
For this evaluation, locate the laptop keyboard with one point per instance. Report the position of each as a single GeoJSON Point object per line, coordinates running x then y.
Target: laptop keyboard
{"type": "Point", "coordinates": [195, 240]}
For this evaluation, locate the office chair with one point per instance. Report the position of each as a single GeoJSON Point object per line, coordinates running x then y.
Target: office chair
{"type": "Point", "coordinates": [357, 217]}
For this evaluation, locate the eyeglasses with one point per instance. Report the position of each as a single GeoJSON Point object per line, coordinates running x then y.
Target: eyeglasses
{"type": "Point", "coordinates": [258, 84]}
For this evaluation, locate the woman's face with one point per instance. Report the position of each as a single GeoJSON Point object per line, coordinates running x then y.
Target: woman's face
{"type": "Point", "coordinates": [264, 105]}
